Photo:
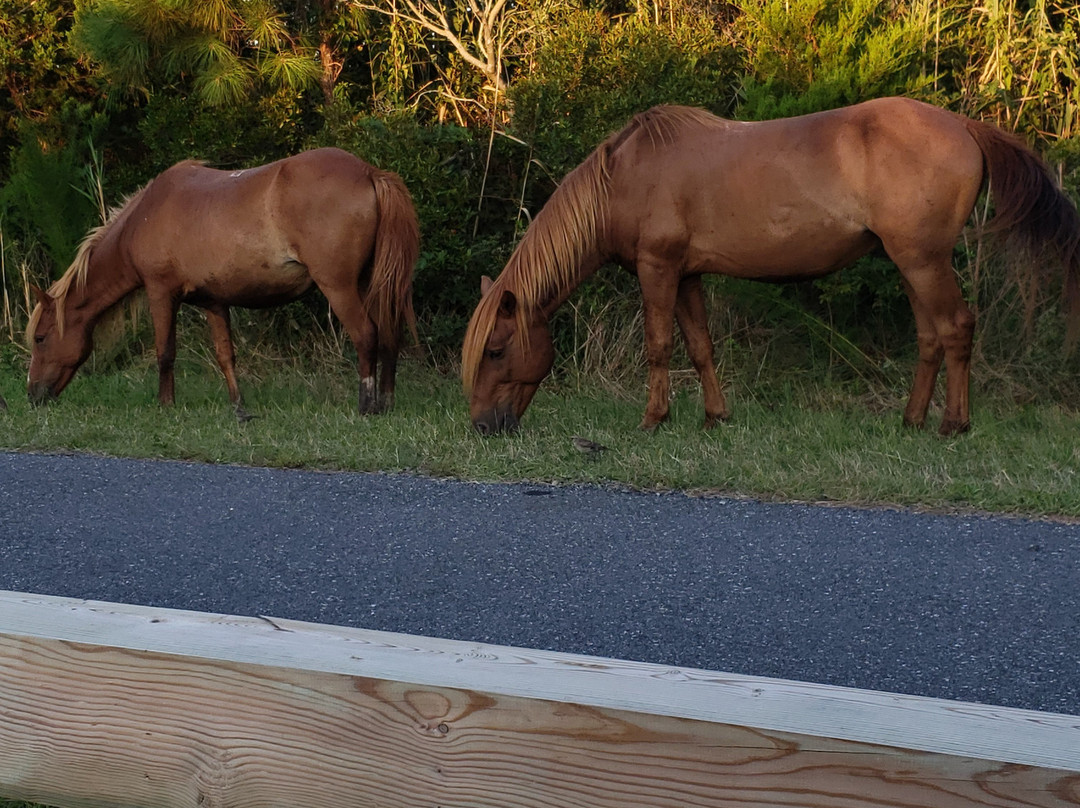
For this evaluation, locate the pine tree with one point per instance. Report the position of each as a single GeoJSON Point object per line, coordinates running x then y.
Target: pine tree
{"type": "Point", "coordinates": [223, 50]}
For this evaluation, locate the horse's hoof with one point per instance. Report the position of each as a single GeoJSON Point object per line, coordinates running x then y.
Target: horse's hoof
{"type": "Point", "coordinates": [950, 428]}
{"type": "Point", "coordinates": [650, 424]}
{"type": "Point", "coordinates": [3, 405]}
{"type": "Point", "coordinates": [375, 405]}
{"type": "Point", "coordinates": [712, 420]}
{"type": "Point", "coordinates": [243, 416]}
{"type": "Point", "coordinates": [911, 423]}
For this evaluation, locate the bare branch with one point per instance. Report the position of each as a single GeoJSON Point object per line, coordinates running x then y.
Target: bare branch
{"type": "Point", "coordinates": [478, 44]}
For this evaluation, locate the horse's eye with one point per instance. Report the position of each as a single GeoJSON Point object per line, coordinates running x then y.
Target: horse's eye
{"type": "Point", "coordinates": [39, 338]}
{"type": "Point", "coordinates": [496, 353]}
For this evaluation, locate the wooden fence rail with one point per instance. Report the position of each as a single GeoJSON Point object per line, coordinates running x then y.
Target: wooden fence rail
{"type": "Point", "coordinates": [105, 704]}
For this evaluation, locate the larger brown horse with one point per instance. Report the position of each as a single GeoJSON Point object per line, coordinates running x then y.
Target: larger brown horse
{"type": "Point", "coordinates": [679, 192]}
{"type": "Point", "coordinates": [253, 237]}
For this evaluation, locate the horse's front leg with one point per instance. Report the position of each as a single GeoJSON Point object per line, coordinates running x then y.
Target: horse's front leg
{"type": "Point", "coordinates": [163, 313]}
{"type": "Point", "coordinates": [659, 288]}
{"type": "Point", "coordinates": [217, 316]}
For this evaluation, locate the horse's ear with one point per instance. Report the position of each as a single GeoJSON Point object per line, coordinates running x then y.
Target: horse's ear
{"type": "Point", "coordinates": [508, 304]}
{"type": "Point", "coordinates": [43, 297]}
{"type": "Point", "coordinates": [485, 284]}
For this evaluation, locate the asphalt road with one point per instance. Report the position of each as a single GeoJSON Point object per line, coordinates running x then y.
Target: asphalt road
{"type": "Point", "coordinates": [960, 607]}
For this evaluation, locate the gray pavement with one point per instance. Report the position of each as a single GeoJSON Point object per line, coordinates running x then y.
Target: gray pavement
{"type": "Point", "coordinates": [962, 607]}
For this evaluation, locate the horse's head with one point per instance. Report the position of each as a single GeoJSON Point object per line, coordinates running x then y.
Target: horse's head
{"type": "Point", "coordinates": [55, 352]}
{"type": "Point", "coordinates": [510, 367]}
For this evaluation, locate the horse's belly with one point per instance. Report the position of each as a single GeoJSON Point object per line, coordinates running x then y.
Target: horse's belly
{"type": "Point", "coordinates": [251, 287]}
{"type": "Point", "coordinates": [781, 248]}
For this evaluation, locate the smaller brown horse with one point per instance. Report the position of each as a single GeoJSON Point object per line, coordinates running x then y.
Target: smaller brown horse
{"type": "Point", "coordinates": [679, 192]}
{"type": "Point", "coordinates": [255, 237]}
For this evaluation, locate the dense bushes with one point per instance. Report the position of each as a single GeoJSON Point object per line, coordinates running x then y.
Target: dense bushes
{"type": "Point", "coordinates": [445, 168]}
{"type": "Point", "coordinates": [480, 164]}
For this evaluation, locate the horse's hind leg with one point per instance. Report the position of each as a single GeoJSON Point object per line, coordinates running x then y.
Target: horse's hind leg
{"type": "Point", "coordinates": [350, 309]}
{"type": "Point", "coordinates": [945, 327]}
{"type": "Point", "coordinates": [221, 330]}
{"type": "Point", "coordinates": [693, 322]}
{"type": "Point", "coordinates": [931, 355]}
{"type": "Point", "coordinates": [388, 355]}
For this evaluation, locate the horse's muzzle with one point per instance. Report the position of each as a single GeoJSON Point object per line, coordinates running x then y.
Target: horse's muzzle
{"type": "Point", "coordinates": [500, 419]}
{"type": "Point", "coordinates": [39, 394]}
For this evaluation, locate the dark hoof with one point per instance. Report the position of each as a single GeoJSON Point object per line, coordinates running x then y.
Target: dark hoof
{"type": "Point", "coordinates": [649, 424]}
{"type": "Point", "coordinates": [243, 416]}
{"type": "Point", "coordinates": [951, 428]}
{"type": "Point", "coordinates": [712, 420]}
{"type": "Point", "coordinates": [369, 408]}
{"type": "Point", "coordinates": [368, 400]}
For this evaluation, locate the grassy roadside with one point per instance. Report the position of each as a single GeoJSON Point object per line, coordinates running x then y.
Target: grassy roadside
{"type": "Point", "coordinates": [790, 442]}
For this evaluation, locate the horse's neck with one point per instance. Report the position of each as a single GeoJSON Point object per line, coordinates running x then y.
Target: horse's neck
{"type": "Point", "coordinates": [590, 262]}
{"type": "Point", "coordinates": [109, 279]}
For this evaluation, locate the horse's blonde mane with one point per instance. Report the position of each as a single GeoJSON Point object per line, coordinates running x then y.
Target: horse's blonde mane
{"type": "Point", "coordinates": [75, 275]}
{"type": "Point", "coordinates": [547, 257]}
{"type": "Point", "coordinates": [547, 260]}
{"type": "Point", "coordinates": [660, 124]}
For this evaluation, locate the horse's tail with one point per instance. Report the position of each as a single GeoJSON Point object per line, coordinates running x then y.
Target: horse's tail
{"type": "Point", "coordinates": [1030, 208]}
{"type": "Point", "coordinates": [397, 246]}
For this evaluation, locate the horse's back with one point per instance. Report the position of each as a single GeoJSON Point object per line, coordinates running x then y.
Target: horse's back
{"type": "Point", "coordinates": [254, 236]}
{"type": "Point", "coordinates": [308, 178]}
{"type": "Point", "coordinates": [791, 197]}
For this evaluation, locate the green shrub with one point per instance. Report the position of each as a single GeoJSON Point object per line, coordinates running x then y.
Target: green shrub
{"type": "Point", "coordinates": [808, 55]}
{"type": "Point", "coordinates": [595, 72]}
{"type": "Point", "coordinates": [173, 129]}
{"type": "Point", "coordinates": [47, 198]}
{"type": "Point", "coordinates": [445, 167]}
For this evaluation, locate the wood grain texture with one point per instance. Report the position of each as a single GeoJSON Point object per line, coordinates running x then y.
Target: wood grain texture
{"type": "Point", "coordinates": [106, 705]}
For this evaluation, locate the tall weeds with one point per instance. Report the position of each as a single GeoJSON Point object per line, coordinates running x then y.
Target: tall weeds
{"type": "Point", "coordinates": [9, 317]}
{"type": "Point", "coordinates": [1023, 65]}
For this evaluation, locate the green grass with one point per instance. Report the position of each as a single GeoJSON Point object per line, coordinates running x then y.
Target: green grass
{"type": "Point", "coordinates": [795, 441]}
{"type": "Point", "coordinates": [808, 441]}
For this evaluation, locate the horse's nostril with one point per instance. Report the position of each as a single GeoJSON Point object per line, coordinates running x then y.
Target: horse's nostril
{"type": "Point", "coordinates": [482, 428]}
